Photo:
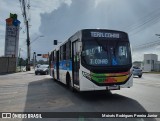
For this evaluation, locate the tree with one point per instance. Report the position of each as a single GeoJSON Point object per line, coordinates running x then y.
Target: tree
{"type": "Point", "coordinates": [22, 62]}
{"type": "Point", "coordinates": [42, 62]}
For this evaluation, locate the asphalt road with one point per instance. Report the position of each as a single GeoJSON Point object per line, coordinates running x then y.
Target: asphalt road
{"type": "Point", "coordinates": [25, 92]}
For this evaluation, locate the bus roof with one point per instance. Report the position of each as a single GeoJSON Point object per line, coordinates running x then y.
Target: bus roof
{"type": "Point", "coordinates": [85, 31]}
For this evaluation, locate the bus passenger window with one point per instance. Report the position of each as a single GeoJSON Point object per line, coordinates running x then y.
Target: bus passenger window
{"type": "Point", "coordinates": [68, 50]}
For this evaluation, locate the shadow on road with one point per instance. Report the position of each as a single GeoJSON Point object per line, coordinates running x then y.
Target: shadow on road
{"type": "Point", "coordinates": [6, 73]}
{"type": "Point", "coordinates": [50, 96]}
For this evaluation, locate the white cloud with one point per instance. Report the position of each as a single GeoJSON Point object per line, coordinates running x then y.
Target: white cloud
{"type": "Point", "coordinates": [127, 15]}
{"type": "Point", "coordinates": [43, 6]}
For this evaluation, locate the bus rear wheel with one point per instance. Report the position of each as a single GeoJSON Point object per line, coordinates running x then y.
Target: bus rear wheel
{"type": "Point", "coordinates": [53, 75]}
{"type": "Point", "coordinates": [68, 83]}
{"type": "Point", "coordinates": [68, 80]}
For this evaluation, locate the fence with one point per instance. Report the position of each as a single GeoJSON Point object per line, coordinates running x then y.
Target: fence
{"type": "Point", "coordinates": [7, 64]}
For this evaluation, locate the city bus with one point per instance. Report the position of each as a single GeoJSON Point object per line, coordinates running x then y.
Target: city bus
{"type": "Point", "coordinates": [93, 59]}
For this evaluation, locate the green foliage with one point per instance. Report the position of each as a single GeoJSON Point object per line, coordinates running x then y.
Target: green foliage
{"type": "Point", "coordinates": [42, 62]}
{"type": "Point", "coordinates": [21, 62]}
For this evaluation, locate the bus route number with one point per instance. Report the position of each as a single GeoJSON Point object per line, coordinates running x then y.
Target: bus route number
{"type": "Point", "coordinates": [98, 61]}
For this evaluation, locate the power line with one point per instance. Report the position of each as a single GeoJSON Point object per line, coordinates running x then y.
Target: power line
{"type": "Point", "coordinates": [36, 38]}
{"type": "Point", "coordinates": [150, 19]}
{"type": "Point", "coordinates": [149, 23]}
{"type": "Point", "coordinates": [150, 15]}
{"type": "Point", "coordinates": [146, 21]}
{"type": "Point", "coordinates": [146, 45]}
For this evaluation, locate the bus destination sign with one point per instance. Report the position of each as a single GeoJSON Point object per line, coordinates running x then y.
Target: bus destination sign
{"type": "Point", "coordinates": [105, 34]}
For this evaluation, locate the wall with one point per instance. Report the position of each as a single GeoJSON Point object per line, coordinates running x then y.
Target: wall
{"type": "Point", "coordinates": [7, 65]}
{"type": "Point", "coordinates": [157, 66]}
{"type": "Point", "coordinates": [149, 62]}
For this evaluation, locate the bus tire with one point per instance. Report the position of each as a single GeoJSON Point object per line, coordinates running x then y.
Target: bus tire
{"type": "Point", "coordinates": [108, 92]}
{"type": "Point", "coordinates": [140, 76]}
{"type": "Point", "coordinates": [46, 73]}
{"type": "Point", "coordinates": [67, 80]}
{"type": "Point", "coordinates": [53, 75]}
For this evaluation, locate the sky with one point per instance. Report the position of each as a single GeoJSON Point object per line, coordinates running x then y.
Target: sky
{"type": "Point", "coordinates": [59, 19]}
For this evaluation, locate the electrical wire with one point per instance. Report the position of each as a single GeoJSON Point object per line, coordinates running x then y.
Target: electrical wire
{"type": "Point", "coordinates": [152, 18]}
{"type": "Point", "coordinates": [141, 20]}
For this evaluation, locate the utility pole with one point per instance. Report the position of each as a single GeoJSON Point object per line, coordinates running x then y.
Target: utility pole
{"type": "Point", "coordinates": [28, 47]}
{"type": "Point", "coordinates": [28, 39]}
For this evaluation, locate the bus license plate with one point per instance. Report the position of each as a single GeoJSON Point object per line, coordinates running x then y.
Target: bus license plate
{"type": "Point", "coordinates": [113, 87]}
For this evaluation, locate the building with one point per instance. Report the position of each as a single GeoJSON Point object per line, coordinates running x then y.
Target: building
{"type": "Point", "coordinates": [151, 63]}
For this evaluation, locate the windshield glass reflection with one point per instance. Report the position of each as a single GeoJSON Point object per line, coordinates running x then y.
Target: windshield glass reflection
{"type": "Point", "coordinates": [102, 52]}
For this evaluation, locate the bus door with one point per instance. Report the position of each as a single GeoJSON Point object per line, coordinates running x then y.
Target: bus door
{"type": "Point", "coordinates": [75, 62]}
{"type": "Point", "coordinates": [57, 64]}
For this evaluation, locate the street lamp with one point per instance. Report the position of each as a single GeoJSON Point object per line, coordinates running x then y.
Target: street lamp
{"type": "Point", "coordinates": [37, 38]}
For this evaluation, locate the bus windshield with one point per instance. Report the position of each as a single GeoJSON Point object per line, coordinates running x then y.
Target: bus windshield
{"type": "Point", "coordinates": [106, 52]}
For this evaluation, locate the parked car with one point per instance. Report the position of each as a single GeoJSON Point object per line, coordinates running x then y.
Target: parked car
{"type": "Point", "coordinates": [42, 69]}
{"type": "Point", "coordinates": [137, 71]}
